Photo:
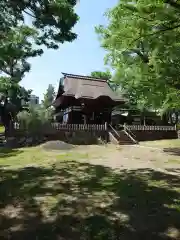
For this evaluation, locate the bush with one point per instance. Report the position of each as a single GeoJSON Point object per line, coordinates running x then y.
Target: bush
{"type": "Point", "coordinates": [178, 126]}
{"type": "Point", "coordinates": [2, 129]}
{"type": "Point", "coordinates": [35, 119]}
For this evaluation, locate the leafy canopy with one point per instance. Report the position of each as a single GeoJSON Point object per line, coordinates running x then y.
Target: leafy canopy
{"type": "Point", "coordinates": [53, 19]}
{"type": "Point", "coordinates": [15, 50]}
{"type": "Point", "coordinates": [143, 44]}
{"type": "Point", "coordinates": [49, 23]}
{"type": "Point", "coordinates": [103, 75]}
{"type": "Point", "coordinates": [106, 76]}
{"type": "Point", "coordinates": [49, 96]}
{"type": "Point", "coordinates": [14, 54]}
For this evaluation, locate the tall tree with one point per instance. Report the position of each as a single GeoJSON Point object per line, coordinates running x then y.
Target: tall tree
{"type": "Point", "coordinates": [15, 51]}
{"type": "Point", "coordinates": [143, 44]}
{"type": "Point", "coordinates": [49, 96]}
{"type": "Point", "coordinates": [53, 19]}
{"type": "Point", "coordinates": [51, 23]}
{"type": "Point", "coordinates": [106, 76]}
{"type": "Point", "coordinates": [103, 75]}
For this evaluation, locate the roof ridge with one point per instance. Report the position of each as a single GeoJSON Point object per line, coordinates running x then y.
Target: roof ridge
{"type": "Point", "coordinates": [83, 77]}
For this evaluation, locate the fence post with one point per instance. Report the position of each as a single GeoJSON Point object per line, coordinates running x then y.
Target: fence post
{"type": "Point", "coordinates": [106, 132]}
{"type": "Point", "coordinates": [106, 126]}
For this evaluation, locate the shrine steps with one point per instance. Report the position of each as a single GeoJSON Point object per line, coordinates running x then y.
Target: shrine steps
{"type": "Point", "coordinates": [122, 137]}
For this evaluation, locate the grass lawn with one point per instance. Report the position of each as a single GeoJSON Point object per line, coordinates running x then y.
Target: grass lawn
{"type": "Point", "coordinates": [171, 147]}
{"type": "Point", "coordinates": [163, 143]}
{"type": "Point", "coordinates": [53, 195]}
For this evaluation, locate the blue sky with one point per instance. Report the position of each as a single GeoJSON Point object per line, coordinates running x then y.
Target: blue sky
{"type": "Point", "coordinates": [82, 56]}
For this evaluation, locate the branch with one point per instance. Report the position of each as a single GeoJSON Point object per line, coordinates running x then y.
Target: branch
{"type": "Point", "coordinates": [5, 71]}
{"type": "Point", "coordinates": [11, 66]}
{"type": "Point", "coordinates": [29, 14]}
{"type": "Point", "coordinates": [134, 9]}
{"type": "Point", "coordinates": [146, 19]}
{"type": "Point", "coordinates": [155, 33]}
{"type": "Point", "coordinates": [144, 57]}
{"type": "Point", "coordinates": [173, 3]}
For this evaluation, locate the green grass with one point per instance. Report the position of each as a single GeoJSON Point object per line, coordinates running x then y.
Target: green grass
{"type": "Point", "coordinates": [55, 195]}
{"type": "Point", "coordinates": [18, 158]}
{"type": "Point", "coordinates": [174, 161]}
{"type": "Point", "coordinates": [163, 143]}
{"type": "Point", "coordinates": [171, 147]}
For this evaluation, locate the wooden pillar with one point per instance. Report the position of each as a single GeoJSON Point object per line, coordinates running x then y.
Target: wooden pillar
{"type": "Point", "coordinates": [85, 119]}
{"type": "Point", "coordinates": [106, 133]}
{"type": "Point", "coordinates": [93, 116]}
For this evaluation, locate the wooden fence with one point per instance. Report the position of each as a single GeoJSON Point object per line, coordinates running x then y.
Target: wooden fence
{"type": "Point", "coordinates": [71, 127]}
{"type": "Point", "coordinates": [102, 127]}
{"type": "Point", "coordinates": [149, 128]}
{"type": "Point", "coordinates": [79, 127]}
{"type": "Point", "coordinates": [91, 132]}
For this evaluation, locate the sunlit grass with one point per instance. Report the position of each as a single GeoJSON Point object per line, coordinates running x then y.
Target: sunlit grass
{"type": "Point", "coordinates": [173, 161]}
{"type": "Point", "coordinates": [75, 197]}
{"type": "Point", "coordinates": [36, 156]}
{"type": "Point", "coordinates": [163, 143]}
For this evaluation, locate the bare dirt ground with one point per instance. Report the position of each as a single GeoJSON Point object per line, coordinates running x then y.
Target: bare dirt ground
{"type": "Point", "coordinates": [133, 156]}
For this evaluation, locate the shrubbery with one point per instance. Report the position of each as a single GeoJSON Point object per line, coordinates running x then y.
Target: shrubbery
{"type": "Point", "coordinates": [34, 119]}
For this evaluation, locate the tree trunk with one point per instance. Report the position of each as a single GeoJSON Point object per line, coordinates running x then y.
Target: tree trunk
{"type": "Point", "coordinates": [8, 123]}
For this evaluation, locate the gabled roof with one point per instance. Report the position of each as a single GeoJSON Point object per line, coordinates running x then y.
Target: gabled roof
{"type": "Point", "coordinates": [78, 86]}
{"type": "Point", "coordinates": [83, 77]}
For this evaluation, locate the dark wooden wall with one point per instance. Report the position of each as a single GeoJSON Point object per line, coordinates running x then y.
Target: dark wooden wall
{"type": "Point", "coordinates": [154, 135]}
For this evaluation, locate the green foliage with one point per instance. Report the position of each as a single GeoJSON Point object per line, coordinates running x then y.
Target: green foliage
{"type": "Point", "coordinates": [15, 49]}
{"type": "Point", "coordinates": [14, 97]}
{"type": "Point", "coordinates": [34, 119]}
{"type": "Point", "coordinates": [106, 76]}
{"type": "Point", "coordinates": [49, 96]}
{"type": "Point", "coordinates": [13, 90]}
{"type": "Point", "coordinates": [2, 129]}
{"type": "Point", "coordinates": [53, 19]}
{"type": "Point", "coordinates": [143, 44]}
{"type": "Point", "coordinates": [50, 23]}
{"type": "Point", "coordinates": [103, 75]}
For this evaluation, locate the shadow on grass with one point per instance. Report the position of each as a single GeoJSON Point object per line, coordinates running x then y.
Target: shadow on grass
{"type": "Point", "coordinates": [172, 151]}
{"type": "Point", "coordinates": [6, 152]}
{"type": "Point", "coordinates": [174, 171]}
{"type": "Point", "coordinates": [82, 201]}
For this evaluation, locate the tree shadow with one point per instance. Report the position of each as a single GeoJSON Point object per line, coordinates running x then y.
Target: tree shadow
{"type": "Point", "coordinates": [172, 151]}
{"type": "Point", "coordinates": [73, 200]}
{"type": "Point", "coordinates": [6, 152]}
{"type": "Point", "coordinates": [175, 171]}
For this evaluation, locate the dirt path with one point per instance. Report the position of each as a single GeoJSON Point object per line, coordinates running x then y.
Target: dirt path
{"type": "Point", "coordinates": [133, 157]}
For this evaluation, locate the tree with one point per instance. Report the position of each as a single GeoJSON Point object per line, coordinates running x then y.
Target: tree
{"type": "Point", "coordinates": [12, 101]}
{"type": "Point", "coordinates": [53, 19]}
{"type": "Point", "coordinates": [106, 76]}
{"type": "Point", "coordinates": [49, 96]}
{"type": "Point", "coordinates": [15, 52]}
{"type": "Point", "coordinates": [142, 40]}
{"type": "Point", "coordinates": [103, 75]}
{"type": "Point", "coordinates": [51, 23]}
